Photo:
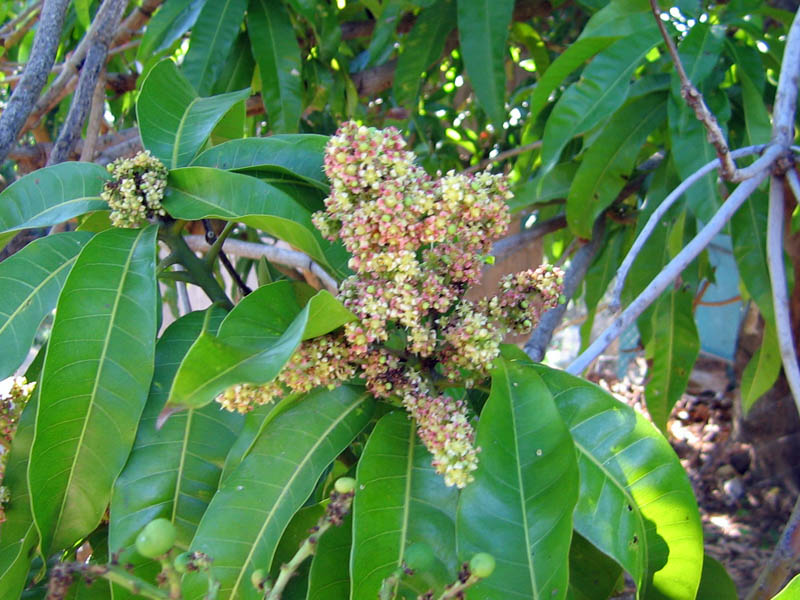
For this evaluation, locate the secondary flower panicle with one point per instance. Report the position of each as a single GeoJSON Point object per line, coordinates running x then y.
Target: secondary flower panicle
{"type": "Point", "coordinates": [417, 243]}
{"type": "Point", "coordinates": [136, 190]}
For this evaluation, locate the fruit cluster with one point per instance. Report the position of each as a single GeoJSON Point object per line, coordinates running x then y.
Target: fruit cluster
{"type": "Point", "coordinates": [417, 244]}
{"type": "Point", "coordinates": [136, 190]}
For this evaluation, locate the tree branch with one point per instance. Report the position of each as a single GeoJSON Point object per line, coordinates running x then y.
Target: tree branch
{"type": "Point", "coordinates": [508, 244]}
{"type": "Point", "coordinates": [43, 53]}
{"type": "Point", "coordinates": [95, 118]}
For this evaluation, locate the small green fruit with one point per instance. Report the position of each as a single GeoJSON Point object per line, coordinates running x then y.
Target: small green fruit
{"type": "Point", "coordinates": [482, 565]}
{"type": "Point", "coordinates": [419, 557]}
{"type": "Point", "coordinates": [258, 578]}
{"type": "Point", "coordinates": [182, 562]}
{"type": "Point", "coordinates": [157, 537]}
{"type": "Point", "coordinates": [345, 485]}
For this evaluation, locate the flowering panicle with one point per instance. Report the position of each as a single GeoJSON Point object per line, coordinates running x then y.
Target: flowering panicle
{"type": "Point", "coordinates": [12, 401]}
{"type": "Point", "coordinates": [136, 190]}
{"type": "Point", "coordinates": [417, 244]}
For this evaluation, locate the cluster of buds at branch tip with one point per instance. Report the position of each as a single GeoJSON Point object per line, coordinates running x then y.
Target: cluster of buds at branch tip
{"type": "Point", "coordinates": [136, 189]}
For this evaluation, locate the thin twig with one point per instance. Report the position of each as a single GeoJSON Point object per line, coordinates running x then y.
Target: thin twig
{"type": "Point", "coordinates": [95, 118]}
{"type": "Point", "coordinates": [501, 156]}
{"type": "Point", "coordinates": [43, 53]}
{"type": "Point", "coordinates": [659, 213]}
{"type": "Point", "coordinates": [668, 274]}
{"type": "Point", "coordinates": [12, 39]}
{"type": "Point", "coordinates": [511, 243]}
{"type": "Point", "coordinates": [9, 27]}
{"type": "Point", "coordinates": [281, 256]}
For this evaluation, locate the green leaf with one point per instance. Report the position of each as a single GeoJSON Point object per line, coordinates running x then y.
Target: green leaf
{"type": "Point", "coordinates": [519, 508]}
{"type": "Point", "coordinates": [199, 193]}
{"type": "Point", "coordinates": [483, 32]}
{"type": "Point", "coordinates": [50, 196]}
{"type": "Point", "coordinates": [31, 280]}
{"type": "Point", "coordinates": [174, 471]}
{"type": "Point", "coordinates": [247, 516]}
{"type": "Point", "coordinates": [82, 12]}
{"type": "Point", "coordinates": [169, 23]}
{"type": "Point", "coordinates": [422, 48]}
{"type": "Point", "coordinates": [750, 70]}
{"type": "Point", "coordinates": [599, 92]}
{"type": "Point", "coordinates": [278, 57]}
{"type": "Point", "coordinates": [18, 536]}
{"type": "Point", "coordinates": [300, 155]}
{"type": "Point", "coordinates": [791, 591]}
{"type": "Point", "coordinates": [550, 185]}
{"type": "Point", "coordinates": [592, 574]}
{"type": "Point", "coordinates": [715, 583]}
{"type": "Point", "coordinates": [296, 532]}
{"type": "Point", "coordinates": [174, 121]}
{"type": "Point", "coordinates": [608, 162]}
{"type": "Point", "coordinates": [395, 466]}
{"type": "Point", "coordinates": [212, 38]}
{"type": "Point", "coordinates": [673, 348]}
{"type": "Point", "coordinates": [254, 342]}
{"type": "Point", "coordinates": [636, 504]}
{"type": "Point", "coordinates": [749, 240]}
{"type": "Point", "coordinates": [329, 577]}
{"type": "Point", "coordinates": [762, 370]}
{"type": "Point", "coordinates": [94, 383]}
{"type": "Point", "coordinates": [699, 52]}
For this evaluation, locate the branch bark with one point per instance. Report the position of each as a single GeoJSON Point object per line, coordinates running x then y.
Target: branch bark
{"type": "Point", "coordinates": [43, 53]}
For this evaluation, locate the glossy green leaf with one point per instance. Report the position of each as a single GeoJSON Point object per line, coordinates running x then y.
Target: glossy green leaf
{"type": "Point", "coordinates": [212, 37]}
{"type": "Point", "coordinates": [599, 92]}
{"type": "Point", "coordinates": [174, 471]}
{"type": "Point", "coordinates": [636, 504]}
{"type": "Point", "coordinates": [750, 70]}
{"type": "Point", "coordinates": [762, 370]}
{"type": "Point", "coordinates": [300, 155]}
{"type": "Point", "coordinates": [94, 383]}
{"type": "Point", "coordinates": [174, 121]}
{"type": "Point", "coordinates": [607, 164]}
{"type": "Point", "coordinates": [238, 70]}
{"type": "Point", "coordinates": [699, 52]}
{"type": "Point", "coordinates": [395, 466]}
{"type": "Point", "coordinates": [278, 57]}
{"type": "Point", "coordinates": [422, 47]}
{"type": "Point", "coordinates": [82, 12]}
{"type": "Point", "coordinates": [18, 535]}
{"type": "Point", "coordinates": [716, 584]}
{"type": "Point", "coordinates": [483, 32]}
{"type": "Point", "coordinates": [791, 591]}
{"type": "Point", "coordinates": [592, 574]}
{"type": "Point", "coordinates": [673, 349]}
{"type": "Point", "coordinates": [254, 342]}
{"type": "Point", "coordinates": [329, 577]}
{"type": "Point", "coordinates": [271, 484]}
{"type": "Point", "coordinates": [170, 22]}
{"type": "Point", "coordinates": [749, 240]}
{"type": "Point", "coordinates": [296, 532]}
{"type": "Point", "coordinates": [31, 280]}
{"type": "Point", "coordinates": [200, 192]}
{"type": "Point", "coordinates": [598, 278]}
{"type": "Point", "coordinates": [550, 185]}
{"type": "Point", "coordinates": [50, 196]}
{"type": "Point", "coordinates": [519, 508]}
{"type": "Point", "coordinates": [323, 19]}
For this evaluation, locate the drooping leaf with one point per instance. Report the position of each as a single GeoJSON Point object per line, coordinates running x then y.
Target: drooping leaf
{"type": "Point", "coordinates": [271, 484]}
{"type": "Point", "coordinates": [673, 348]}
{"type": "Point", "coordinates": [200, 192]}
{"type": "Point", "coordinates": [278, 57]}
{"type": "Point", "coordinates": [31, 280]}
{"type": "Point", "coordinates": [174, 121]}
{"type": "Point", "coordinates": [598, 278]}
{"type": "Point", "coordinates": [254, 342]}
{"type": "Point", "coordinates": [592, 574]}
{"type": "Point", "coordinates": [172, 472]}
{"type": "Point", "coordinates": [550, 185]}
{"type": "Point", "coordinates": [715, 583]}
{"type": "Point", "coordinates": [599, 92]}
{"type": "Point", "coordinates": [169, 23]}
{"type": "Point", "coordinates": [296, 532]}
{"type": "Point", "coordinates": [483, 32]}
{"type": "Point", "coordinates": [395, 465]}
{"type": "Point", "coordinates": [750, 70]}
{"type": "Point", "coordinates": [94, 383]}
{"type": "Point", "coordinates": [749, 240]}
{"type": "Point", "coordinates": [329, 578]}
{"type": "Point", "coordinates": [322, 17]}
{"type": "Point", "coordinates": [422, 47]}
{"type": "Point", "coordinates": [519, 508]}
{"type": "Point", "coordinates": [50, 196]}
{"type": "Point", "coordinates": [762, 371]}
{"type": "Point", "coordinates": [636, 504]}
{"type": "Point", "coordinates": [212, 37]}
{"type": "Point", "coordinates": [299, 155]}
{"type": "Point", "coordinates": [607, 164]}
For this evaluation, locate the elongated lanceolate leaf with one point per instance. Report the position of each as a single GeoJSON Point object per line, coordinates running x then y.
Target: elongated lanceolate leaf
{"type": "Point", "coordinates": [200, 193]}
{"type": "Point", "coordinates": [254, 342]}
{"type": "Point", "coordinates": [519, 508]}
{"type": "Point", "coordinates": [483, 32]}
{"type": "Point", "coordinates": [212, 38]}
{"type": "Point", "coordinates": [635, 503]}
{"type": "Point", "coordinates": [170, 22]}
{"type": "Point", "coordinates": [31, 280]}
{"type": "Point", "coordinates": [49, 196]}
{"type": "Point", "coordinates": [174, 121]}
{"type": "Point", "coordinates": [592, 574]}
{"type": "Point", "coordinates": [300, 155]}
{"type": "Point", "coordinates": [422, 48]}
{"type": "Point", "coordinates": [172, 472]}
{"type": "Point", "coordinates": [94, 383]}
{"type": "Point", "coordinates": [278, 57]}
{"type": "Point", "coordinates": [716, 584]}
{"type": "Point", "coordinates": [749, 240]}
{"type": "Point", "coordinates": [396, 467]}
{"type": "Point", "coordinates": [762, 371]}
{"type": "Point", "coordinates": [328, 578]}
{"type": "Point", "coordinates": [246, 517]}
{"type": "Point", "coordinates": [18, 535]}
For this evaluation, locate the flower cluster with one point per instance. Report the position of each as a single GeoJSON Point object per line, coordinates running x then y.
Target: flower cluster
{"type": "Point", "coordinates": [136, 190]}
{"type": "Point", "coordinates": [417, 244]}
{"type": "Point", "coordinates": [12, 401]}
